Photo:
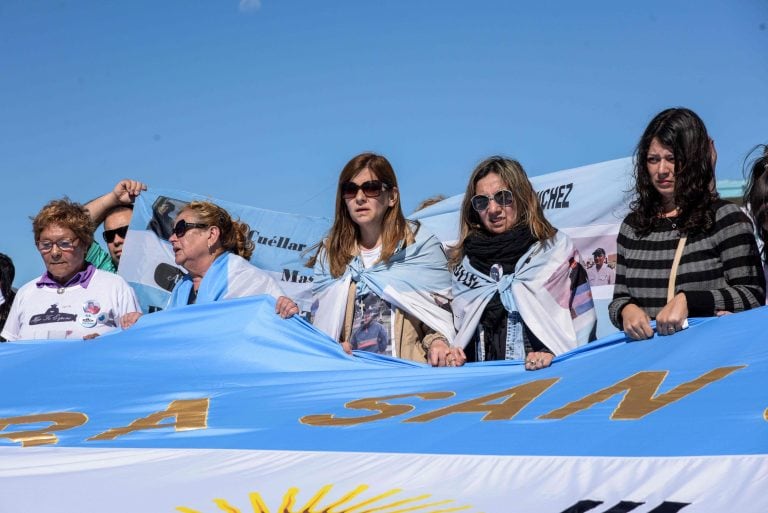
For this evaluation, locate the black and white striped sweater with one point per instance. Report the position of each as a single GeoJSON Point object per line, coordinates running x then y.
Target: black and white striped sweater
{"type": "Point", "coordinates": [719, 270]}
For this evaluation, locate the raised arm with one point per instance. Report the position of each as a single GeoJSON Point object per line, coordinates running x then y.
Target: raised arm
{"type": "Point", "coordinates": [124, 193]}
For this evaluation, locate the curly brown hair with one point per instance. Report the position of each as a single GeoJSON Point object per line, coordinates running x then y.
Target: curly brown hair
{"type": "Point", "coordinates": [67, 214]}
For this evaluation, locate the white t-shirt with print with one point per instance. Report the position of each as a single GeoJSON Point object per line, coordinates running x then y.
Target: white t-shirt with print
{"type": "Point", "coordinates": [71, 312]}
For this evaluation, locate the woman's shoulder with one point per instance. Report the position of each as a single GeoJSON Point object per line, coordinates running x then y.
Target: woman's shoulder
{"type": "Point", "coordinates": [108, 279]}
{"type": "Point", "coordinates": [729, 213]}
{"type": "Point", "coordinates": [239, 265]}
{"type": "Point", "coordinates": [103, 275]}
{"type": "Point", "coordinates": [417, 232]}
{"type": "Point", "coordinates": [28, 287]}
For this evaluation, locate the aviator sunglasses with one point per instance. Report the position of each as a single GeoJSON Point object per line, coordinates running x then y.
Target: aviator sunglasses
{"type": "Point", "coordinates": [371, 189]}
{"type": "Point", "coordinates": [109, 235]}
{"type": "Point", "coordinates": [502, 198]}
{"type": "Point", "coordinates": [182, 227]}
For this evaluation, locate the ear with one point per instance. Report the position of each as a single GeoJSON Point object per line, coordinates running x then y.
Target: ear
{"type": "Point", "coordinates": [393, 196]}
{"type": "Point", "coordinates": [213, 235]}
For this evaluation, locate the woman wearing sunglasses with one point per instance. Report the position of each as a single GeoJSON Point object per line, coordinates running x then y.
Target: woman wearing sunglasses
{"type": "Point", "coordinates": [214, 249]}
{"type": "Point", "coordinates": [381, 283]}
{"type": "Point", "coordinates": [520, 291]}
{"type": "Point", "coordinates": [72, 299]}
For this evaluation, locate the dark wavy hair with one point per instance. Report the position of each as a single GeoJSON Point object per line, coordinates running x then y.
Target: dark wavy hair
{"type": "Point", "coordinates": [756, 194]}
{"type": "Point", "coordinates": [7, 274]}
{"type": "Point", "coordinates": [684, 133]}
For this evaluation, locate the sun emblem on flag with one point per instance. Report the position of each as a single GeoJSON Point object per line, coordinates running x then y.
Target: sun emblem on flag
{"type": "Point", "coordinates": [357, 501]}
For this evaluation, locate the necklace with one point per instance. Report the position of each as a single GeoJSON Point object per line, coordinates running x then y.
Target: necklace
{"type": "Point", "coordinates": [671, 222]}
{"type": "Point", "coordinates": [671, 216]}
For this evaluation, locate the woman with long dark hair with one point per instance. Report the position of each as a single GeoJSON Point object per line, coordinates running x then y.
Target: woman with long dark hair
{"type": "Point", "coordinates": [756, 198]}
{"type": "Point", "coordinates": [7, 273]}
{"type": "Point", "coordinates": [682, 251]}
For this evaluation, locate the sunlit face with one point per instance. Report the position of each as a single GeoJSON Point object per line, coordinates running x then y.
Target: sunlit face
{"type": "Point", "coordinates": [62, 265]}
{"type": "Point", "coordinates": [496, 218]}
{"type": "Point", "coordinates": [660, 163]}
{"type": "Point", "coordinates": [114, 221]}
{"type": "Point", "coordinates": [369, 211]}
{"type": "Point", "coordinates": [192, 247]}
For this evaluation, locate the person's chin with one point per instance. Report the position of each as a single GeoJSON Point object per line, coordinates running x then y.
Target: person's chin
{"type": "Point", "coordinates": [497, 228]}
{"type": "Point", "coordinates": [59, 277]}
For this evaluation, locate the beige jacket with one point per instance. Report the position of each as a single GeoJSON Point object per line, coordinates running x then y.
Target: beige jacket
{"type": "Point", "coordinates": [412, 337]}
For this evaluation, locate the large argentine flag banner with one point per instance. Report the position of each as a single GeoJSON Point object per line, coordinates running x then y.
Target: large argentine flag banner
{"type": "Point", "coordinates": [227, 408]}
{"type": "Point", "coordinates": [588, 203]}
{"type": "Point", "coordinates": [281, 241]}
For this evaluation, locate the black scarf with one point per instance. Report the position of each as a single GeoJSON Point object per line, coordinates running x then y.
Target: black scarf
{"type": "Point", "coordinates": [483, 251]}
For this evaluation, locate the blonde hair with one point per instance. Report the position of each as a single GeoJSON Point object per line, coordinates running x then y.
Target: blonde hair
{"type": "Point", "coordinates": [67, 214]}
{"type": "Point", "coordinates": [234, 234]}
{"type": "Point", "coordinates": [341, 243]}
{"type": "Point", "coordinates": [529, 211]}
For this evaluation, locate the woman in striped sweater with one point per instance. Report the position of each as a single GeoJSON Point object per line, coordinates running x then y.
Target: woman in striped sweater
{"type": "Point", "coordinates": [719, 269]}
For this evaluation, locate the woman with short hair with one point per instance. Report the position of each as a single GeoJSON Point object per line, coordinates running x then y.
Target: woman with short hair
{"type": "Point", "coordinates": [72, 299]}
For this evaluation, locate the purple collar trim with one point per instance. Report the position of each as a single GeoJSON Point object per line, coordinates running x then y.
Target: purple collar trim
{"type": "Point", "coordinates": [83, 278]}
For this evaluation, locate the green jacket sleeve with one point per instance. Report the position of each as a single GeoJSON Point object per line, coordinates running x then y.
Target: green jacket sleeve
{"type": "Point", "coordinates": [100, 258]}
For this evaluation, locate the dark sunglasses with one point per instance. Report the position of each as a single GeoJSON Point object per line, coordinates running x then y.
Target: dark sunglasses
{"type": "Point", "coordinates": [182, 227]}
{"type": "Point", "coordinates": [109, 235]}
{"type": "Point", "coordinates": [371, 189]}
{"type": "Point", "coordinates": [502, 198]}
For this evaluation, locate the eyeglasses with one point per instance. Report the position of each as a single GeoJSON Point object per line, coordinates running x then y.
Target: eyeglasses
{"type": "Point", "coordinates": [502, 198]}
{"type": "Point", "coordinates": [371, 189]}
{"type": "Point", "coordinates": [182, 227]}
{"type": "Point", "coordinates": [109, 235]}
{"type": "Point", "coordinates": [45, 246]}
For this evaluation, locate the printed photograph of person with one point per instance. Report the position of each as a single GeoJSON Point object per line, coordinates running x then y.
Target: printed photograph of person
{"type": "Point", "coordinates": [369, 327]}
{"type": "Point", "coordinates": [162, 218]}
{"type": "Point", "coordinates": [600, 272]}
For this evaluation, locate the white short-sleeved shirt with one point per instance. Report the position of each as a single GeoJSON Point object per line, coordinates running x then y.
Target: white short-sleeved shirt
{"type": "Point", "coordinates": [605, 276]}
{"type": "Point", "coordinates": [70, 312]}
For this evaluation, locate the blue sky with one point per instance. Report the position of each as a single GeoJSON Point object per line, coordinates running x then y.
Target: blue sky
{"type": "Point", "coordinates": [262, 103]}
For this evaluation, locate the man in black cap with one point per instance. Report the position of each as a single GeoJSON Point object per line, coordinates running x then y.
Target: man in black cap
{"type": "Point", "coordinates": [600, 273]}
